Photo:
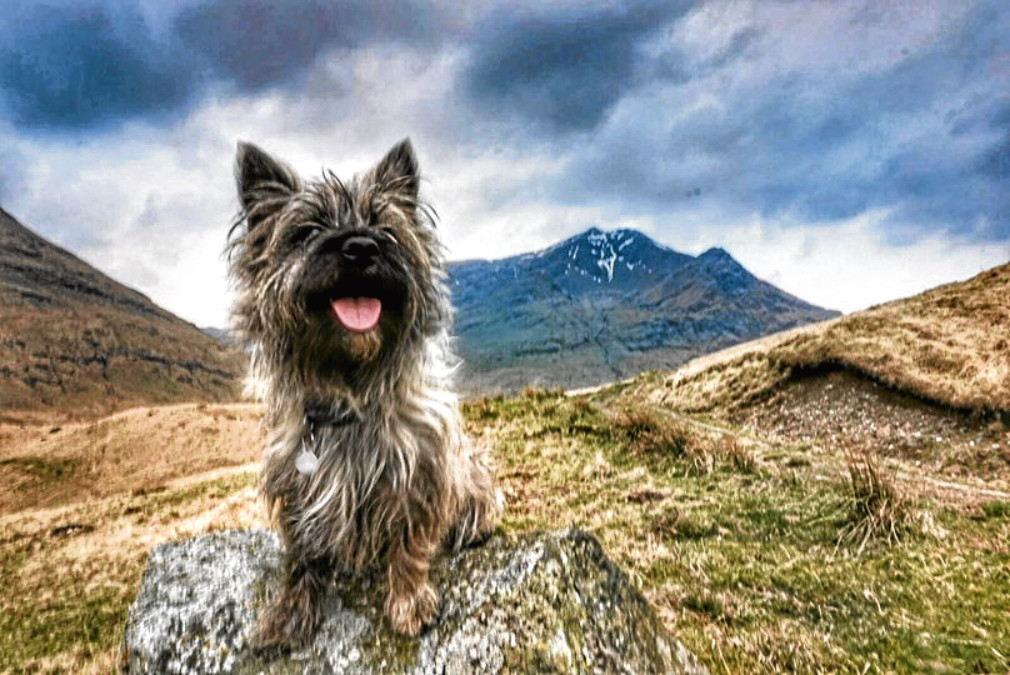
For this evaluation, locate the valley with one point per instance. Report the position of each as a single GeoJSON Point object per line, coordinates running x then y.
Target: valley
{"type": "Point", "coordinates": [834, 496]}
{"type": "Point", "coordinates": [780, 513]}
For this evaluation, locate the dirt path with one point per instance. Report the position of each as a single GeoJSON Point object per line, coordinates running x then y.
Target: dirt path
{"type": "Point", "coordinates": [807, 419]}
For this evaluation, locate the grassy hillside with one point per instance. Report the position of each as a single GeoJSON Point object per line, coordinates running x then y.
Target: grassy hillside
{"type": "Point", "coordinates": [949, 346]}
{"type": "Point", "coordinates": [136, 450]}
{"type": "Point", "coordinates": [75, 343]}
{"type": "Point", "coordinates": [782, 513]}
{"type": "Point", "coordinates": [753, 552]}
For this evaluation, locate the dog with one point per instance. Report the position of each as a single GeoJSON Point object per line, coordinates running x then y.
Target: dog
{"type": "Point", "coordinates": [343, 305]}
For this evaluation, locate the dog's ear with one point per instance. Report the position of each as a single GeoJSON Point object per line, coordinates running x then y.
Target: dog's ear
{"type": "Point", "coordinates": [264, 183]}
{"type": "Point", "coordinates": [397, 171]}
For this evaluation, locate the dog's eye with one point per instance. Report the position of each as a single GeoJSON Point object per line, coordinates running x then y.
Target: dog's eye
{"type": "Point", "coordinates": [302, 233]}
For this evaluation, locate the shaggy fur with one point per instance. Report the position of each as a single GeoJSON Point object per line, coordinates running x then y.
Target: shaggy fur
{"type": "Point", "coordinates": [397, 477]}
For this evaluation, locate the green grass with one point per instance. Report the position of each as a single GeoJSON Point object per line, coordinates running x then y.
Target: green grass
{"type": "Point", "coordinates": [747, 559]}
{"type": "Point", "coordinates": [41, 469]}
{"type": "Point", "coordinates": [739, 546]}
{"type": "Point", "coordinates": [88, 621]}
{"type": "Point", "coordinates": [996, 509]}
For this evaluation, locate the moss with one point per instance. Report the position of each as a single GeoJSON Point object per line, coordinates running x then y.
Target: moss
{"type": "Point", "coordinates": [87, 621]}
{"type": "Point", "coordinates": [996, 509]}
{"type": "Point", "coordinates": [40, 470]}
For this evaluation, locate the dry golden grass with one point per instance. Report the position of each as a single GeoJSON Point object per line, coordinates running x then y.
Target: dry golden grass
{"type": "Point", "coordinates": [85, 504]}
{"type": "Point", "coordinates": [949, 346]}
{"type": "Point", "coordinates": [69, 573]}
{"type": "Point", "coordinates": [133, 451]}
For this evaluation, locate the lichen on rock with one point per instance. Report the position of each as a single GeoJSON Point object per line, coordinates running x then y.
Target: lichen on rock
{"type": "Point", "coordinates": [541, 602]}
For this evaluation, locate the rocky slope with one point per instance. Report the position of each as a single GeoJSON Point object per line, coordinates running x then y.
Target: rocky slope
{"type": "Point", "coordinates": [605, 305]}
{"type": "Point", "coordinates": [74, 341]}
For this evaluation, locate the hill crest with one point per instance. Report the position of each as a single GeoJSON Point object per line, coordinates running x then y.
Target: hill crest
{"type": "Point", "coordinates": [947, 346]}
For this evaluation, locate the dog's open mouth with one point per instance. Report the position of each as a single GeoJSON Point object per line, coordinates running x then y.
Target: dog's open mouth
{"type": "Point", "coordinates": [358, 315]}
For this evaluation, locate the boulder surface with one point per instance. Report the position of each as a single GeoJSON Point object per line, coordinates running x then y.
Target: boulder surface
{"type": "Point", "coordinates": [542, 602]}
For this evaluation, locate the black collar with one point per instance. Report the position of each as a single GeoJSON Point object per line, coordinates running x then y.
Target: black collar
{"type": "Point", "coordinates": [319, 414]}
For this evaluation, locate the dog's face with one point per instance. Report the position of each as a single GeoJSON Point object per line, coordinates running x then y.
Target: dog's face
{"type": "Point", "coordinates": [335, 277]}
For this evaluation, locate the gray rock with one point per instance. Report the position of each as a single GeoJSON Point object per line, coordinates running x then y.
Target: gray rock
{"type": "Point", "coordinates": [544, 602]}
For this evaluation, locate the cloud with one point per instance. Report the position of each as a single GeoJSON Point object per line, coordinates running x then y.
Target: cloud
{"type": "Point", "coordinates": [750, 125]}
{"type": "Point", "coordinates": [691, 121]}
{"type": "Point", "coordinates": [11, 172]}
{"type": "Point", "coordinates": [559, 71]}
{"type": "Point", "coordinates": [839, 264]}
{"type": "Point", "coordinates": [83, 64]}
{"type": "Point", "coordinates": [87, 65]}
{"type": "Point", "coordinates": [255, 44]}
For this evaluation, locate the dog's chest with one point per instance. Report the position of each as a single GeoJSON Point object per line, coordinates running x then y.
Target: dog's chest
{"type": "Point", "coordinates": [371, 454]}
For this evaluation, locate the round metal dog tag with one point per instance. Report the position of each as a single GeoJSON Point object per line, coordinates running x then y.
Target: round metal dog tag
{"type": "Point", "coordinates": [306, 462]}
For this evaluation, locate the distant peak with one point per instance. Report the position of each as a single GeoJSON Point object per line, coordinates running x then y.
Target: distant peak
{"type": "Point", "coordinates": [597, 235]}
{"type": "Point", "coordinates": [716, 253]}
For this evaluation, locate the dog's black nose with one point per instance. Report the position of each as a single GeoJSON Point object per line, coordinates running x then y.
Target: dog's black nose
{"type": "Point", "coordinates": [360, 250]}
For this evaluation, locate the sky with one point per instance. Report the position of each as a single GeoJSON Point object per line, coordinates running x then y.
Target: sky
{"type": "Point", "coordinates": [850, 152]}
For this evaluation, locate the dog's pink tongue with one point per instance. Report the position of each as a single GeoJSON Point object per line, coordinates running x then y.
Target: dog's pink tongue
{"type": "Point", "coordinates": [357, 314]}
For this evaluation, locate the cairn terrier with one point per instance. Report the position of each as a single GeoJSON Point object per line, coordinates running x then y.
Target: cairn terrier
{"type": "Point", "coordinates": [343, 304]}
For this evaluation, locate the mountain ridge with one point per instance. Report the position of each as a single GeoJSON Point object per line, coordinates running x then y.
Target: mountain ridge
{"type": "Point", "coordinates": [602, 305]}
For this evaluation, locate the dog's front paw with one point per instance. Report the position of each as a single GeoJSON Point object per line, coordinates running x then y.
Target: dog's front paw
{"type": "Point", "coordinates": [409, 614]}
{"type": "Point", "coordinates": [285, 625]}
{"type": "Point", "coordinates": [477, 520]}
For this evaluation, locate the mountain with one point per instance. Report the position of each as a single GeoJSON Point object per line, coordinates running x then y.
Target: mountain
{"type": "Point", "coordinates": [606, 305]}
{"type": "Point", "coordinates": [222, 335]}
{"type": "Point", "coordinates": [74, 341]}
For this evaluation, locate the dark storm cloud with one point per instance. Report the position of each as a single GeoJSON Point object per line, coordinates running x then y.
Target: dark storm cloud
{"type": "Point", "coordinates": [926, 138]}
{"type": "Point", "coordinates": [259, 43]}
{"type": "Point", "coordinates": [75, 66]}
{"type": "Point", "coordinates": [728, 121]}
{"type": "Point", "coordinates": [84, 64]}
{"type": "Point", "coordinates": [561, 71]}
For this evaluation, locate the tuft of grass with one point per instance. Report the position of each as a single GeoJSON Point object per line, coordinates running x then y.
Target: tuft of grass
{"type": "Point", "coordinates": [483, 408]}
{"type": "Point", "coordinates": [649, 435]}
{"type": "Point", "coordinates": [676, 524]}
{"type": "Point", "coordinates": [740, 458]}
{"type": "Point", "coordinates": [541, 393]}
{"type": "Point", "coordinates": [877, 509]}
